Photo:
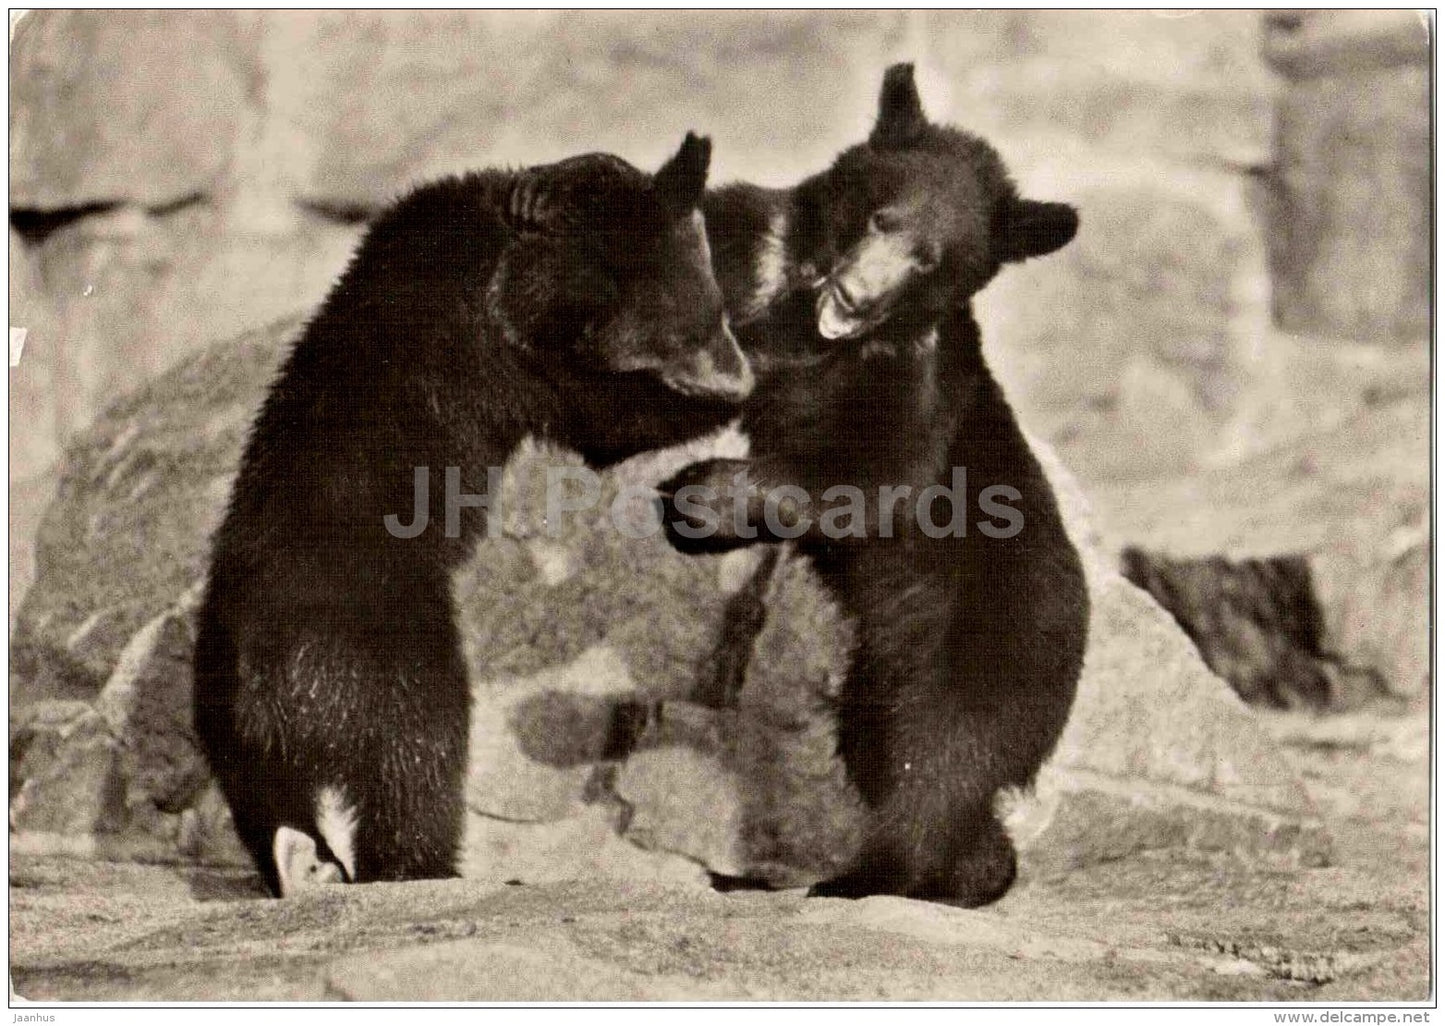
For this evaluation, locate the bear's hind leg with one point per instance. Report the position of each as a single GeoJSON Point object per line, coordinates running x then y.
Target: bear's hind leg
{"type": "Point", "coordinates": [382, 710]}
{"type": "Point", "coordinates": [967, 861]}
{"type": "Point", "coordinates": [932, 834]}
{"type": "Point", "coordinates": [877, 870]}
{"type": "Point", "coordinates": [410, 806]}
{"type": "Point", "coordinates": [397, 840]}
{"type": "Point", "coordinates": [976, 870]}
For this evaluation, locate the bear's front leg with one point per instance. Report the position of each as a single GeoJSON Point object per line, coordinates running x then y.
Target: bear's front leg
{"type": "Point", "coordinates": [706, 507]}
{"type": "Point", "coordinates": [723, 504]}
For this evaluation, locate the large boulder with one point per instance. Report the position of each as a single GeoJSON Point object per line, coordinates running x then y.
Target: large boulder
{"type": "Point", "coordinates": [573, 632]}
{"type": "Point", "coordinates": [592, 645]}
{"type": "Point", "coordinates": [128, 532]}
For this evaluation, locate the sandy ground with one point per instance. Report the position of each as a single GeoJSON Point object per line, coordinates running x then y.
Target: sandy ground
{"type": "Point", "coordinates": [1166, 925]}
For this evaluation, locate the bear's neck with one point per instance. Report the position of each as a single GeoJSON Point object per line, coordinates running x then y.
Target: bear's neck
{"type": "Point", "coordinates": [406, 321]}
{"type": "Point", "coordinates": [752, 232]}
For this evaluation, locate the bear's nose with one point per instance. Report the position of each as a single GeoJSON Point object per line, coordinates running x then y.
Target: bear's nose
{"type": "Point", "coordinates": [718, 370]}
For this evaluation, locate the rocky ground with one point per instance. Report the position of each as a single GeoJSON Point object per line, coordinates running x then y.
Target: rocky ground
{"type": "Point", "coordinates": [1166, 926]}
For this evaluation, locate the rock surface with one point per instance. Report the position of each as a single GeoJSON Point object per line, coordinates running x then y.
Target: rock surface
{"type": "Point", "coordinates": [1351, 497]}
{"type": "Point", "coordinates": [128, 533]}
{"type": "Point", "coordinates": [1131, 350]}
{"type": "Point", "coordinates": [569, 624]}
{"type": "Point", "coordinates": [1167, 926]}
{"type": "Point", "coordinates": [138, 105]}
{"type": "Point", "coordinates": [1352, 141]}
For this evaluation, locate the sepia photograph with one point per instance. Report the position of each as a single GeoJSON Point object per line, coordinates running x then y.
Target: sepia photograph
{"type": "Point", "coordinates": [736, 507]}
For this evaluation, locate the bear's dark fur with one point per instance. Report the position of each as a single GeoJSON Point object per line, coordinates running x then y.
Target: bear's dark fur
{"type": "Point", "coordinates": [854, 289]}
{"type": "Point", "coordinates": [571, 302]}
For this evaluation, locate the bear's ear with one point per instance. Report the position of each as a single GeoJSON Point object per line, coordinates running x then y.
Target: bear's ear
{"type": "Point", "coordinates": [1028, 228]}
{"type": "Point", "coordinates": [679, 182]}
{"type": "Point", "coordinates": [539, 202]}
{"type": "Point", "coordinates": [900, 111]}
{"type": "Point", "coordinates": [560, 198]}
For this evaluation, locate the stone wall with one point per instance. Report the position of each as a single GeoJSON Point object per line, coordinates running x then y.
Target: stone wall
{"type": "Point", "coordinates": [181, 177]}
{"type": "Point", "coordinates": [1349, 210]}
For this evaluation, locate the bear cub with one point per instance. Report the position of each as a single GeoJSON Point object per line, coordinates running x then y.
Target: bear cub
{"type": "Point", "coordinates": [969, 642]}
{"type": "Point", "coordinates": [573, 302]}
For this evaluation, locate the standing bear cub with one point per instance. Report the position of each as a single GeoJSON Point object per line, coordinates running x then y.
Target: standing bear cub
{"type": "Point", "coordinates": [874, 403]}
{"type": "Point", "coordinates": [572, 302]}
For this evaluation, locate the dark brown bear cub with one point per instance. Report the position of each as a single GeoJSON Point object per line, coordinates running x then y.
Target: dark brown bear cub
{"type": "Point", "coordinates": [572, 302]}
{"type": "Point", "coordinates": [875, 403]}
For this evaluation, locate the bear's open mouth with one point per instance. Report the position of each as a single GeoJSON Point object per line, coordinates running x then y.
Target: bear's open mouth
{"type": "Point", "coordinates": [840, 316]}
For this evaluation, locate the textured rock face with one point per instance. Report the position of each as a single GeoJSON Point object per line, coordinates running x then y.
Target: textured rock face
{"type": "Point", "coordinates": [122, 777]}
{"type": "Point", "coordinates": [1351, 499]}
{"type": "Point", "coordinates": [1129, 350]}
{"type": "Point", "coordinates": [63, 773]}
{"type": "Point", "coordinates": [568, 626]}
{"type": "Point", "coordinates": [1159, 753]}
{"type": "Point", "coordinates": [138, 105]}
{"type": "Point", "coordinates": [562, 661]}
{"type": "Point", "coordinates": [127, 534]}
{"type": "Point", "coordinates": [1259, 625]}
{"type": "Point", "coordinates": [146, 705]}
{"type": "Point", "coordinates": [1350, 205]}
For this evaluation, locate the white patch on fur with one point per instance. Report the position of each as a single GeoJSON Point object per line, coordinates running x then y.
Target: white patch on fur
{"type": "Point", "coordinates": [336, 821]}
{"type": "Point", "coordinates": [770, 266]}
{"type": "Point", "coordinates": [729, 443]}
{"type": "Point", "coordinates": [737, 568]}
{"type": "Point", "coordinates": [699, 226]}
{"type": "Point", "coordinates": [1026, 812]}
{"type": "Point", "coordinates": [553, 561]}
{"type": "Point", "coordinates": [297, 864]}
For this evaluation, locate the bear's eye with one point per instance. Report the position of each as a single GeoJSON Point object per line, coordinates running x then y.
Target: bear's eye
{"type": "Point", "coordinates": [883, 222]}
{"type": "Point", "coordinates": [928, 255]}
